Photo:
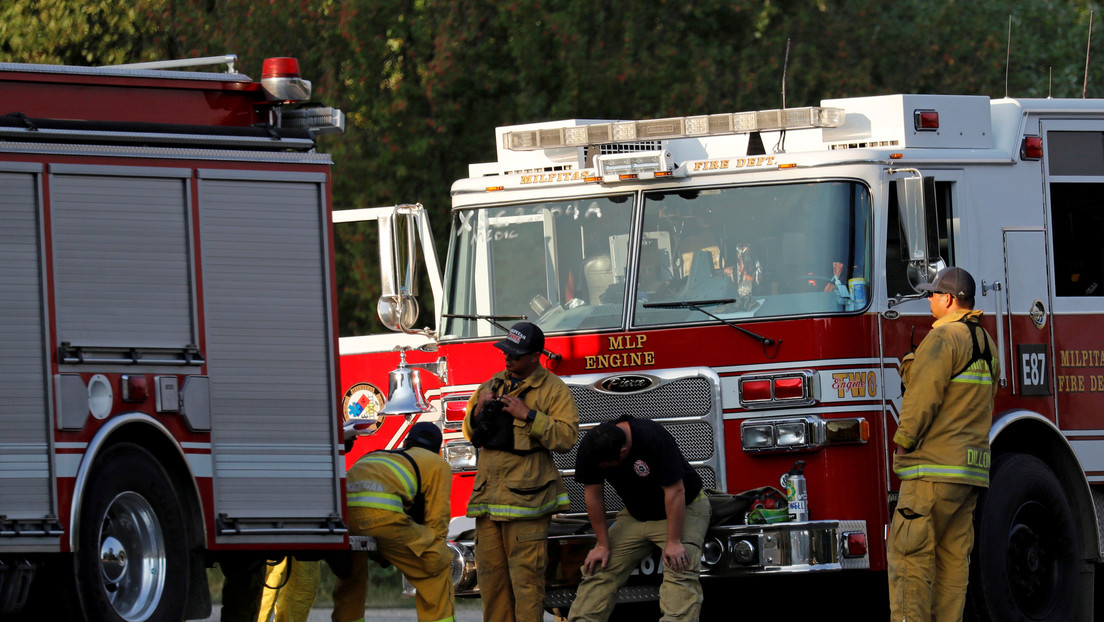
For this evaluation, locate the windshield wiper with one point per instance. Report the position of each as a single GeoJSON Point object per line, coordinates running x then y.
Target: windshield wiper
{"type": "Point", "coordinates": [697, 306]}
{"type": "Point", "coordinates": [495, 319]}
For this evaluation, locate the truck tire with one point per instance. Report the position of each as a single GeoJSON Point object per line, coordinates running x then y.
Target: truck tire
{"type": "Point", "coordinates": [132, 562]}
{"type": "Point", "coordinates": [1025, 561]}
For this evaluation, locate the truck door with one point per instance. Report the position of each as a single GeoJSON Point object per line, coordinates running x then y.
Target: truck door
{"type": "Point", "coordinates": [270, 352]}
{"type": "Point", "coordinates": [27, 501]}
{"type": "Point", "coordinates": [1073, 166]}
{"type": "Point", "coordinates": [1027, 310]}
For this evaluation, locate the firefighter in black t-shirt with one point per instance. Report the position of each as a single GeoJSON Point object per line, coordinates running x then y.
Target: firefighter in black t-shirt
{"type": "Point", "coordinates": [664, 506]}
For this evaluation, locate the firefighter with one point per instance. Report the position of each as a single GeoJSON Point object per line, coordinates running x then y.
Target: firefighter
{"type": "Point", "coordinates": [289, 590]}
{"type": "Point", "coordinates": [665, 507]}
{"type": "Point", "coordinates": [518, 417]}
{"type": "Point", "coordinates": [384, 490]}
{"type": "Point", "coordinates": [942, 454]}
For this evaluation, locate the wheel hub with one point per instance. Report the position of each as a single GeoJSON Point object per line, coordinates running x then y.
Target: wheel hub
{"type": "Point", "coordinates": [113, 559]}
{"type": "Point", "coordinates": [132, 556]}
{"type": "Point", "coordinates": [1031, 564]}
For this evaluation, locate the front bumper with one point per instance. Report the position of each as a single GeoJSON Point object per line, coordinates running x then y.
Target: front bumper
{"type": "Point", "coordinates": [729, 551]}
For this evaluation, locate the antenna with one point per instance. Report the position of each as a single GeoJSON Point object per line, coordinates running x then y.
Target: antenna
{"type": "Point", "coordinates": [1007, 55]}
{"type": "Point", "coordinates": [1088, 48]}
{"type": "Point", "coordinates": [785, 66]}
{"type": "Point", "coordinates": [1050, 84]}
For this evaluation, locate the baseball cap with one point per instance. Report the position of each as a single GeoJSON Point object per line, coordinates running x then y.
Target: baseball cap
{"type": "Point", "coordinates": [524, 338]}
{"type": "Point", "coordinates": [951, 280]}
{"type": "Point", "coordinates": [425, 435]}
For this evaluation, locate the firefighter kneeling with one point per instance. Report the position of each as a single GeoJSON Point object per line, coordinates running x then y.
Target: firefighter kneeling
{"type": "Point", "coordinates": [401, 498]}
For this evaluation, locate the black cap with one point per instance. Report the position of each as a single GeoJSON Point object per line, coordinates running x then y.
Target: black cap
{"type": "Point", "coordinates": [524, 338]}
{"type": "Point", "coordinates": [954, 281]}
{"type": "Point", "coordinates": [425, 435]}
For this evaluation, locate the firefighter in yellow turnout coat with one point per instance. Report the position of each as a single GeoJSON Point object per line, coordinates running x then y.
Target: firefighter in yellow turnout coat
{"type": "Point", "coordinates": [381, 488]}
{"type": "Point", "coordinates": [517, 486]}
{"type": "Point", "coordinates": [942, 455]}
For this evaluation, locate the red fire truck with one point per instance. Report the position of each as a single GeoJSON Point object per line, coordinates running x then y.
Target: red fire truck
{"type": "Point", "coordinates": [168, 395]}
{"type": "Point", "coordinates": [749, 281]}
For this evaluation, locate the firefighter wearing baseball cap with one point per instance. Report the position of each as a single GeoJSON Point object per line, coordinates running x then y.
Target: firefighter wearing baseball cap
{"type": "Point", "coordinates": [942, 454]}
{"type": "Point", "coordinates": [384, 490]}
{"type": "Point", "coordinates": [518, 417]}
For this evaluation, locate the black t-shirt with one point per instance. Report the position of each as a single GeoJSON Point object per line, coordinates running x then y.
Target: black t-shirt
{"type": "Point", "coordinates": [654, 461]}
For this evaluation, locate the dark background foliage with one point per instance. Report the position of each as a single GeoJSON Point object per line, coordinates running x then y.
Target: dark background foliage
{"type": "Point", "coordinates": [425, 82]}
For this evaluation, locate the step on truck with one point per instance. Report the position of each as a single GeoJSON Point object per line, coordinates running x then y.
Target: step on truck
{"type": "Point", "coordinates": [167, 342]}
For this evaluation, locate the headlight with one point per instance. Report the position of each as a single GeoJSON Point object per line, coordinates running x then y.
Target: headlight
{"type": "Point", "coordinates": [791, 434]}
{"type": "Point", "coordinates": [804, 433]}
{"type": "Point", "coordinates": [757, 436]}
{"type": "Point", "coordinates": [460, 455]}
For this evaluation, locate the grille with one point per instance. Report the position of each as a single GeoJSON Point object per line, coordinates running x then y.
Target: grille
{"type": "Point", "coordinates": [685, 397]}
{"type": "Point", "coordinates": [613, 502]}
{"type": "Point", "coordinates": [683, 405]}
{"type": "Point", "coordinates": [694, 438]}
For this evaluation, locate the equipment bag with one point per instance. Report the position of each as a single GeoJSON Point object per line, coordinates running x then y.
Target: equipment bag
{"type": "Point", "coordinates": [734, 509]}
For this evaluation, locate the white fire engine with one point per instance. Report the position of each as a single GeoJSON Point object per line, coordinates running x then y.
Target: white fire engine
{"type": "Point", "coordinates": [167, 333]}
{"type": "Point", "coordinates": [748, 280]}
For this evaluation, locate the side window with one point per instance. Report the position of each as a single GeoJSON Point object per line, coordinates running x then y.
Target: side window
{"type": "Point", "coordinates": [1076, 158]}
{"type": "Point", "coordinates": [1077, 219]}
{"type": "Point", "coordinates": [940, 238]}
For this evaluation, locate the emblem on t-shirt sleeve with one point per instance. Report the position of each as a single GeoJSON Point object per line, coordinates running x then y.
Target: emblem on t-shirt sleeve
{"type": "Point", "coordinates": [641, 468]}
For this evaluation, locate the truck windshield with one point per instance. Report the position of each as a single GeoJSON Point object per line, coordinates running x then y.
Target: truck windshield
{"type": "Point", "coordinates": [750, 251]}
{"type": "Point", "coordinates": [557, 263]}
{"type": "Point", "coordinates": [754, 251]}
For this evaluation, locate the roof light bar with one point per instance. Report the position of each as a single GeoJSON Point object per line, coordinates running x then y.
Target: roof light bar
{"type": "Point", "coordinates": [809, 117]}
{"type": "Point", "coordinates": [321, 119]}
{"type": "Point", "coordinates": [634, 165]}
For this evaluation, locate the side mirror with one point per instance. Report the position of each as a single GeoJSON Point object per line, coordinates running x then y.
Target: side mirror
{"type": "Point", "coordinates": [910, 204]}
{"type": "Point", "coordinates": [398, 305]}
{"type": "Point", "coordinates": [916, 209]}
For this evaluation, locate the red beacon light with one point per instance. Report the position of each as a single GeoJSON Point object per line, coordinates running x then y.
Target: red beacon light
{"type": "Point", "coordinates": [925, 120]}
{"type": "Point", "coordinates": [281, 81]}
{"type": "Point", "coordinates": [1031, 148]}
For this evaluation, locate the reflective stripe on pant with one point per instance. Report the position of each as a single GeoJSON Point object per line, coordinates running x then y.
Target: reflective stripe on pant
{"type": "Point", "coordinates": [680, 595]}
{"type": "Point", "coordinates": [511, 557]}
{"type": "Point", "coordinates": [929, 551]}
{"type": "Point", "coordinates": [429, 570]}
{"type": "Point", "coordinates": [290, 595]}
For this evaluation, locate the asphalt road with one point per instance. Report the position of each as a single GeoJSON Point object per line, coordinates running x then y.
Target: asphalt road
{"type": "Point", "coordinates": [463, 614]}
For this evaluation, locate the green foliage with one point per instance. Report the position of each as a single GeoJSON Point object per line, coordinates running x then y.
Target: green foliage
{"type": "Point", "coordinates": [79, 32]}
{"type": "Point", "coordinates": [425, 82]}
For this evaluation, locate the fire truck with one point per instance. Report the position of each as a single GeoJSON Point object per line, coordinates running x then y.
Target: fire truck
{"type": "Point", "coordinates": [749, 280]}
{"type": "Point", "coordinates": [169, 389]}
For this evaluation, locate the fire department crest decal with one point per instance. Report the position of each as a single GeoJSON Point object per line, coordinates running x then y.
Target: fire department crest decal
{"type": "Point", "coordinates": [641, 468]}
{"type": "Point", "coordinates": [362, 400]}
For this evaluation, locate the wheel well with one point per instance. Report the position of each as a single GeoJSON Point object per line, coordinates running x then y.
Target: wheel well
{"type": "Point", "coordinates": [168, 454]}
{"type": "Point", "coordinates": [140, 430]}
{"type": "Point", "coordinates": [1030, 433]}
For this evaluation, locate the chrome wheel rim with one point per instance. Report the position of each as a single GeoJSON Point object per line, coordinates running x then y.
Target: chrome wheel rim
{"type": "Point", "coordinates": [132, 556]}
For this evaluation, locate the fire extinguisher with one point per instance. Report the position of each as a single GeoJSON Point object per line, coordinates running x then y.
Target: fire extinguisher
{"type": "Point", "coordinates": [797, 496]}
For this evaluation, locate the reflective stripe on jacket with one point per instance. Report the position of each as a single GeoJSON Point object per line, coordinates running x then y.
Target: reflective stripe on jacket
{"type": "Point", "coordinates": [385, 481]}
{"type": "Point", "coordinates": [509, 486]}
{"type": "Point", "coordinates": [945, 417]}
